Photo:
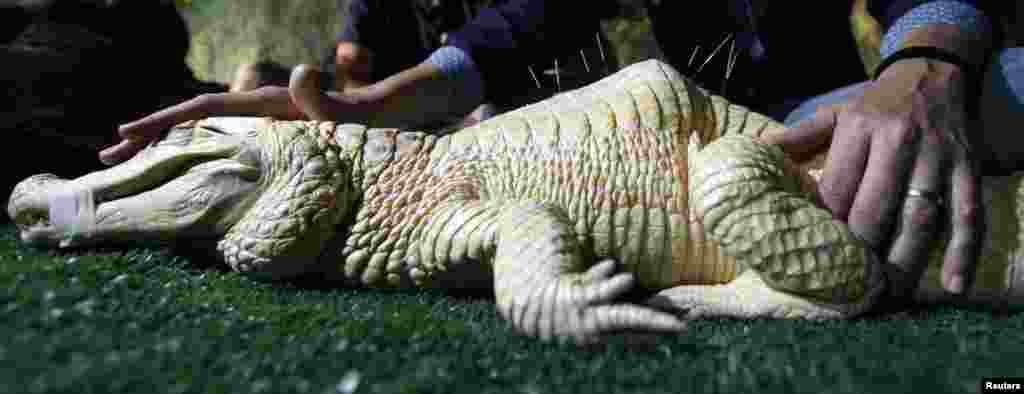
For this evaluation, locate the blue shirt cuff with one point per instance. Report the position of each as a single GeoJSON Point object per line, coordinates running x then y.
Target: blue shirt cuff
{"type": "Point", "coordinates": [970, 20]}
{"type": "Point", "coordinates": [468, 89]}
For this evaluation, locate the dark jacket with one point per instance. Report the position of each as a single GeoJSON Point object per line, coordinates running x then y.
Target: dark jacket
{"type": "Point", "coordinates": [505, 36]}
{"type": "Point", "coordinates": [396, 32]}
{"type": "Point", "coordinates": [788, 51]}
{"type": "Point", "coordinates": [509, 40]}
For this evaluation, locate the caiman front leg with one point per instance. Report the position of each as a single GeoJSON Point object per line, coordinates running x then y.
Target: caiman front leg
{"type": "Point", "coordinates": [542, 284]}
{"type": "Point", "coordinates": [763, 210]}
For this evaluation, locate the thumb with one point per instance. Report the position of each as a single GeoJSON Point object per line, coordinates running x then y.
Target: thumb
{"type": "Point", "coordinates": [306, 91]}
{"type": "Point", "coordinates": [810, 136]}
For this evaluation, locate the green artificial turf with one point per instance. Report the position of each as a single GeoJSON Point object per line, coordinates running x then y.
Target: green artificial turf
{"type": "Point", "coordinates": [147, 321]}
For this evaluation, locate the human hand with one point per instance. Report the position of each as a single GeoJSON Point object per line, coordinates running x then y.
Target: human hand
{"type": "Point", "coordinates": [266, 101]}
{"type": "Point", "coordinates": [900, 160]}
{"type": "Point", "coordinates": [139, 133]}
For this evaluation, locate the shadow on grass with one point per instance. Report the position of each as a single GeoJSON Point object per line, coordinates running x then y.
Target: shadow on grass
{"type": "Point", "coordinates": [152, 321]}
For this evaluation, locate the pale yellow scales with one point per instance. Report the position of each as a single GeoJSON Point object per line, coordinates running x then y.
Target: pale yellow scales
{"type": "Point", "coordinates": [561, 207]}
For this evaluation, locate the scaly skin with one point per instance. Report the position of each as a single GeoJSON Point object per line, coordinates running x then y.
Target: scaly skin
{"type": "Point", "coordinates": [561, 207]}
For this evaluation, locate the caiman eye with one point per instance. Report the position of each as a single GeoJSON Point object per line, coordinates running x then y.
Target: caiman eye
{"type": "Point", "coordinates": [214, 129]}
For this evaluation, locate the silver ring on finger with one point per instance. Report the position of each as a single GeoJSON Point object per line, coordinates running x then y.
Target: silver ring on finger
{"type": "Point", "coordinates": [924, 194]}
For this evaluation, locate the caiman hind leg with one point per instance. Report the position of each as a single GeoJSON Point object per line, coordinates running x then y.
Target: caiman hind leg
{"type": "Point", "coordinates": [763, 210]}
{"type": "Point", "coordinates": [542, 287]}
{"type": "Point", "coordinates": [542, 284]}
{"type": "Point", "coordinates": [747, 296]}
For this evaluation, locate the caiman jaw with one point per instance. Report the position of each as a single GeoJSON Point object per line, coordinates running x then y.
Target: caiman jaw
{"type": "Point", "coordinates": [266, 200]}
{"type": "Point", "coordinates": [166, 192]}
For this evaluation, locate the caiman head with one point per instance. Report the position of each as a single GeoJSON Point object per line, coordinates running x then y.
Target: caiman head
{"type": "Point", "coordinates": [265, 195]}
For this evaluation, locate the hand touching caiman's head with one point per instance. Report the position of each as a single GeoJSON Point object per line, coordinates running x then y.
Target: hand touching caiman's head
{"type": "Point", "coordinates": [265, 194]}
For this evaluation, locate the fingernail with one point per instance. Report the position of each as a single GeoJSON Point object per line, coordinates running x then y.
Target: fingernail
{"type": "Point", "coordinates": [106, 158]}
{"type": "Point", "coordinates": [956, 284]}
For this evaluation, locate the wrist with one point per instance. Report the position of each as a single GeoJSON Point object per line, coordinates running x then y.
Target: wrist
{"type": "Point", "coordinates": [926, 68]}
{"type": "Point", "coordinates": [395, 101]}
{"type": "Point", "coordinates": [357, 106]}
{"type": "Point", "coordinates": [925, 61]}
{"type": "Point", "coordinates": [948, 38]}
{"type": "Point", "coordinates": [930, 79]}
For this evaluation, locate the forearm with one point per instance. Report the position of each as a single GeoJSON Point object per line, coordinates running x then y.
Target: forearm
{"type": "Point", "coordinates": [406, 99]}
{"type": "Point", "coordinates": [270, 101]}
{"type": "Point", "coordinates": [444, 86]}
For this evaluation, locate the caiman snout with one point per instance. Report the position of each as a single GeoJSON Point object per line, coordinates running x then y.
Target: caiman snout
{"type": "Point", "coordinates": [178, 186]}
{"type": "Point", "coordinates": [261, 192]}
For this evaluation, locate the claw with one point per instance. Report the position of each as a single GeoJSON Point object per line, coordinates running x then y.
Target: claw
{"type": "Point", "coordinates": [602, 316]}
{"type": "Point", "coordinates": [610, 289]}
{"type": "Point", "coordinates": [600, 271]}
{"type": "Point", "coordinates": [610, 318]}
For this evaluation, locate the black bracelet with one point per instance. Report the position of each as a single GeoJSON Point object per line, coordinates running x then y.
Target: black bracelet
{"type": "Point", "coordinates": [972, 78]}
{"type": "Point", "coordinates": [926, 53]}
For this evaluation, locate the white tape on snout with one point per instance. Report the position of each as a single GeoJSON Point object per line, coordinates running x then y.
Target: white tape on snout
{"type": "Point", "coordinates": [72, 214]}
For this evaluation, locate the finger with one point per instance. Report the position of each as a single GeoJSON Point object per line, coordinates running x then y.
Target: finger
{"type": "Point", "coordinates": [918, 226]}
{"type": "Point", "coordinates": [153, 125]}
{"type": "Point", "coordinates": [608, 290]}
{"type": "Point", "coordinates": [541, 313]}
{"type": "Point", "coordinates": [844, 167]}
{"type": "Point", "coordinates": [808, 137]}
{"type": "Point", "coordinates": [304, 87]}
{"type": "Point", "coordinates": [139, 133]}
{"type": "Point", "coordinates": [967, 227]}
{"type": "Point", "coordinates": [880, 193]}
{"type": "Point", "coordinates": [122, 151]}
